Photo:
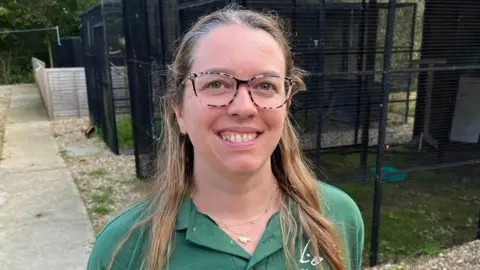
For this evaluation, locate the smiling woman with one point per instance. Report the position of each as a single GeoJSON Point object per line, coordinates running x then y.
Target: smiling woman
{"type": "Point", "coordinates": [233, 190]}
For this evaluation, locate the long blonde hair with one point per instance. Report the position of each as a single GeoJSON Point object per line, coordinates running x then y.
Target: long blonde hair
{"type": "Point", "coordinates": [175, 160]}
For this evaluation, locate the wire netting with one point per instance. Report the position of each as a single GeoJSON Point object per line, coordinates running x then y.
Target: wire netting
{"type": "Point", "coordinates": [144, 58]}
{"type": "Point", "coordinates": [104, 55]}
{"type": "Point", "coordinates": [390, 114]}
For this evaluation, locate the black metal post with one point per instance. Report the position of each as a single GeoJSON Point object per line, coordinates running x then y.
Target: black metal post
{"type": "Point", "coordinates": [478, 226]}
{"type": "Point", "coordinates": [392, 4]}
{"type": "Point", "coordinates": [111, 101]}
{"type": "Point", "coordinates": [372, 26]}
{"type": "Point", "coordinates": [410, 57]}
{"type": "Point", "coordinates": [360, 60]}
{"type": "Point", "coordinates": [321, 66]}
{"type": "Point", "coordinates": [170, 15]}
{"type": "Point", "coordinates": [137, 57]}
{"type": "Point", "coordinates": [345, 44]}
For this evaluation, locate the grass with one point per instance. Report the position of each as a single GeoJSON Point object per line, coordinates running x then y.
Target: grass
{"type": "Point", "coordinates": [422, 215]}
{"type": "Point", "coordinates": [124, 132]}
{"type": "Point", "coordinates": [101, 209]}
{"type": "Point", "coordinates": [64, 154]}
{"type": "Point", "coordinates": [98, 172]}
{"type": "Point", "coordinates": [103, 200]}
{"type": "Point", "coordinates": [76, 180]}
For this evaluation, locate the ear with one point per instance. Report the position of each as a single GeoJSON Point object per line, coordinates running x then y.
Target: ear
{"type": "Point", "coordinates": [180, 120]}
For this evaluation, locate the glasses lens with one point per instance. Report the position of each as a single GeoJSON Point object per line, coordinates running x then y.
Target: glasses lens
{"type": "Point", "coordinates": [270, 91]}
{"type": "Point", "coordinates": [219, 90]}
{"type": "Point", "coordinates": [215, 89]}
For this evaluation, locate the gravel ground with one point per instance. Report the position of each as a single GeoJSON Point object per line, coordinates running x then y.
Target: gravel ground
{"type": "Point", "coordinates": [5, 92]}
{"type": "Point", "coordinates": [463, 257]}
{"type": "Point", "coordinates": [108, 184]}
{"type": "Point", "coordinates": [395, 134]}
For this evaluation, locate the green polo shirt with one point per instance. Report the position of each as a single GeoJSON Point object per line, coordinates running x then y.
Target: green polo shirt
{"type": "Point", "coordinates": [201, 245]}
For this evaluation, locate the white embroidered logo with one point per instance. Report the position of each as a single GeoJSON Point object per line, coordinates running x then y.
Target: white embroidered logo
{"type": "Point", "coordinates": [306, 257]}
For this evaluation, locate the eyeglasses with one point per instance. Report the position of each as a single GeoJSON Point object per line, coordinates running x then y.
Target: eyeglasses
{"type": "Point", "coordinates": [218, 89]}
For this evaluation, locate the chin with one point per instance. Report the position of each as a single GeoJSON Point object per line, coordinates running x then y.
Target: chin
{"type": "Point", "coordinates": [243, 166]}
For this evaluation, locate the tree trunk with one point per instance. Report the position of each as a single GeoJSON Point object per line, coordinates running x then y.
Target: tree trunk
{"type": "Point", "coordinates": [6, 60]}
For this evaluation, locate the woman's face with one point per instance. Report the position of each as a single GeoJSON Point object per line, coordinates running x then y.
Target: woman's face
{"type": "Point", "coordinates": [241, 136]}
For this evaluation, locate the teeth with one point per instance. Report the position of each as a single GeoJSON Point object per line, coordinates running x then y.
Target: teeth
{"type": "Point", "coordinates": [245, 137]}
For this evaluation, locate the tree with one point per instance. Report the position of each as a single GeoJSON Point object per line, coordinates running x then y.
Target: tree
{"type": "Point", "coordinates": [28, 14]}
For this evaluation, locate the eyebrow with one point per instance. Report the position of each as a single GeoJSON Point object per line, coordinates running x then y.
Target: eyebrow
{"type": "Point", "coordinates": [229, 71]}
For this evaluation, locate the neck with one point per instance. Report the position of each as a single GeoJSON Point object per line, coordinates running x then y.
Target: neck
{"type": "Point", "coordinates": [233, 195]}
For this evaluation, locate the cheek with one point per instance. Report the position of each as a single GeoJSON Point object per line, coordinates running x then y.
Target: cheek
{"type": "Point", "coordinates": [275, 120]}
{"type": "Point", "coordinates": [197, 117]}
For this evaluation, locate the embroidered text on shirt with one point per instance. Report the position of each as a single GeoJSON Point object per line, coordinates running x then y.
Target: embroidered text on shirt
{"type": "Point", "coordinates": [305, 258]}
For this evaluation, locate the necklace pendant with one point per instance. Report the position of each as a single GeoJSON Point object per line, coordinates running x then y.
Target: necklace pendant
{"type": "Point", "coordinates": [244, 239]}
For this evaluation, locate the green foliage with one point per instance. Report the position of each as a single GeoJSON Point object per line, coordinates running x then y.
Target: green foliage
{"type": "Point", "coordinates": [16, 49]}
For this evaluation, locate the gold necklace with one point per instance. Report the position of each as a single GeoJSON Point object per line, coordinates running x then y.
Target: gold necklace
{"type": "Point", "coordinates": [250, 221]}
{"type": "Point", "coordinates": [241, 237]}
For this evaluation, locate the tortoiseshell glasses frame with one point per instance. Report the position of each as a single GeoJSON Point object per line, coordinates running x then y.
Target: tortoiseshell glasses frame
{"type": "Point", "coordinates": [285, 85]}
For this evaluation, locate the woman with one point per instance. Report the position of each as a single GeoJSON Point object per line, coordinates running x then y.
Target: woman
{"type": "Point", "coordinates": [233, 189]}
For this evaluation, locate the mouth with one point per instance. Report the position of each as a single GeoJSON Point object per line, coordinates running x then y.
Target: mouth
{"type": "Point", "coordinates": [238, 137]}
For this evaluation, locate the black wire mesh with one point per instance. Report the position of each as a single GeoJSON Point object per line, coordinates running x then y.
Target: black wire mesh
{"type": "Point", "coordinates": [143, 55]}
{"type": "Point", "coordinates": [104, 56]}
{"type": "Point", "coordinates": [389, 105]}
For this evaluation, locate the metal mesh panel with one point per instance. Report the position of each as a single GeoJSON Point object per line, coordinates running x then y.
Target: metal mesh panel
{"type": "Point", "coordinates": [107, 79]}
{"type": "Point", "coordinates": [139, 62]}
{"type": "Point", "coordinates": [390, 92]}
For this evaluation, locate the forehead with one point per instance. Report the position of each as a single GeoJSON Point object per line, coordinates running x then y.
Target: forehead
{"type": "Point", "coordinates": [240, 51]}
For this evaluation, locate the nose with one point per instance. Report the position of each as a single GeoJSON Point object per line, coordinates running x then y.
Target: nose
{"type": "Point", "coordinates": [242, 105]}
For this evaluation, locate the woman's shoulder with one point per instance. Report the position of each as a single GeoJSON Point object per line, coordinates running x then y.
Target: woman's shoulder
{"type": "Point", "coordinates": [113, 233]}
{"type": "Point", "coordinates": [339, 206]}
{"type": "Point", "coordinates": [336, 201]}
{"type": "Point", "coordinates": [342, 210]}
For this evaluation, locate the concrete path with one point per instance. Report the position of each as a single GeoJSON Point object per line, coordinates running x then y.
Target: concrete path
{"type": "Point", "coordinates": [43, 221]}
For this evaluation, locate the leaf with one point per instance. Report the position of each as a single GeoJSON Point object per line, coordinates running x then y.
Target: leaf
{"type": "Point", "coordinates": [4, 11]}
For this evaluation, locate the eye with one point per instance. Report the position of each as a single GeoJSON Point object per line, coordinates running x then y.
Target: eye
{"type": "Point", "coordinates": [266, 86]}
{"type": "Point", "coordinates": [216, 85]}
